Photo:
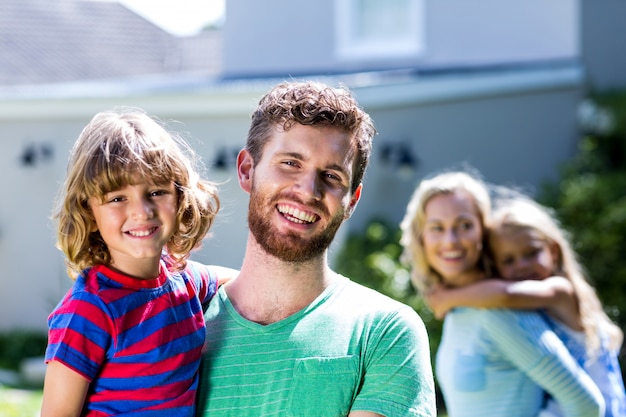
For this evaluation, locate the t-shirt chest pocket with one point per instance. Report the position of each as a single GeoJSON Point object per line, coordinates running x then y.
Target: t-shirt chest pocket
{"type": "Point", "coordinates": [324, 386]}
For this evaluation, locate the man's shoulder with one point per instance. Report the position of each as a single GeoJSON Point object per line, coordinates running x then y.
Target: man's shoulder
{"type": "Point", "coordinates": [369, 301]}
{"type": "Point", "coordinates": [355, 290]}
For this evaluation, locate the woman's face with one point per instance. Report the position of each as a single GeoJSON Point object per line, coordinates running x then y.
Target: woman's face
{"type": "Point", "coordinates": [453, 237]}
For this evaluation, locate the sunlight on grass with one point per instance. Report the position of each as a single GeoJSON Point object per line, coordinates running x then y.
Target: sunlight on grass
{"type": "Point", "coordinates": [19, 403]}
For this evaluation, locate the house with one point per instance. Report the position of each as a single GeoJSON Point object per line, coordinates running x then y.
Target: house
{"type": "Point", "coordinates": [91, 40]}
{"type": "Point", "coordinates": [492, 84]}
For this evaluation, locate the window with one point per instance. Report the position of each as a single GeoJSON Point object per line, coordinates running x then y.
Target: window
{"type": "Point", "coordinates": [379, 28]}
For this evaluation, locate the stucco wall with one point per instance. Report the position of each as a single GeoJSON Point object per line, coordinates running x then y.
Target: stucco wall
{"type": "Point", "coordinates": [514, 128]}
{"type": "Point", "coordinates": [286, 37]}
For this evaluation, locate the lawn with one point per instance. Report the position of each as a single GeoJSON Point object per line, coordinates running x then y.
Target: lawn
{"type": "Point", "coordinates": [26, 403]}
{"type": "Point", "coordinates": [19, 403]}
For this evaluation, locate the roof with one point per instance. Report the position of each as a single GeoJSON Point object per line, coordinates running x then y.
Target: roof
{"type": "Point", "coordinates": [44, 41]}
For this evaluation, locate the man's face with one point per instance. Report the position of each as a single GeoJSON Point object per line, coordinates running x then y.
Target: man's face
{"type": "Point", "coordinates": [300, 191]}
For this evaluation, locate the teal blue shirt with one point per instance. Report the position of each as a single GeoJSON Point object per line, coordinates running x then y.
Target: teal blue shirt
{"type": "Point", "coordinates": [351, 349]}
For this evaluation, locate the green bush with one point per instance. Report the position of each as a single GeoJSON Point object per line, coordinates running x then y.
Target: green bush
{"type": "Point", "coordinates": [590, 200]}
{"type": "Point", "coordinates": [20, 344]}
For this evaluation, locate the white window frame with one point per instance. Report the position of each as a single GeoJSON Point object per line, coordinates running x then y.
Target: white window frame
{"type": "Point", "coordinates": [412, 44]}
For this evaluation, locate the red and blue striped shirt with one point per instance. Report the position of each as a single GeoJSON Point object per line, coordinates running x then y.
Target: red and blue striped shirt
{"type": "Point", "coordinates": [138, 342]}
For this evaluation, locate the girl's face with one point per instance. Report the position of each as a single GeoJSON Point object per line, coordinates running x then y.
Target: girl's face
{"type": "Point", "coordinates": [453, 236]}
{"type": "Point", "coordinates": [521, 254]}
{"type": "Point", "coordinates": [136, 222]}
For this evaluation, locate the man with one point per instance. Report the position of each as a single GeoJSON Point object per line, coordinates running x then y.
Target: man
{"type": "Point", "coordinates": [290, 337]}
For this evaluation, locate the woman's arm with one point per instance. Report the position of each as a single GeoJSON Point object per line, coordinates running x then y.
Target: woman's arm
{"type": "Point", "coordinates": [64, 391]}
{"type": "Point", "coordinates": [555, 294]}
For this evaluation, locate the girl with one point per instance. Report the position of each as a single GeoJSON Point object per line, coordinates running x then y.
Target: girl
{"type": "Point", "coordinates": [490, 362]}
{"type": "Point", "coordinates": [127, 337]}
{"type": "Point", "coordinates": [540, 270]}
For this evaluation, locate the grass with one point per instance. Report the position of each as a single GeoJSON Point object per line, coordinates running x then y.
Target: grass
{"type": "Point", "coordinates": [27, 403]}
{"type": "Point", "coordinates": [19, 402]}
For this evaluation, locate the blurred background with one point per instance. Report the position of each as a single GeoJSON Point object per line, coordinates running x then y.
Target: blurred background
{"type": "Point", "coordinates": [528, 93]}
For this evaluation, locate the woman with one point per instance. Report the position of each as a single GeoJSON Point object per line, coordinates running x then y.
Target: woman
{"type": "Point", "coordinates": [494, 362]}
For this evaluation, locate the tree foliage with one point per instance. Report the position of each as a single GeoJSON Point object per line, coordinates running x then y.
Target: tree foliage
{"type": "Point", "coordinates": [590, 199]}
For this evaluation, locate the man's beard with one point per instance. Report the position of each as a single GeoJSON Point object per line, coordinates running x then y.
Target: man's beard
{"type": "Point", "coordinates": [289, 247]}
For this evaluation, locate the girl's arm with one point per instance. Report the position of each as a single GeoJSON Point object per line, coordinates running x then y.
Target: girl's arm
{"type": "Point", "coordinates": [64, 391]}
{"type": "Point", "coordinates": [527, 341]}
{"type": "Point", "coordinates": [555, 294]}
{"type": "Point", "coordinates": [482, 294]}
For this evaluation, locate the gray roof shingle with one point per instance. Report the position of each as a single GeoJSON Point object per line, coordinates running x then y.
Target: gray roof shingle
{"type": "Point", "coordinates": [43, 41]}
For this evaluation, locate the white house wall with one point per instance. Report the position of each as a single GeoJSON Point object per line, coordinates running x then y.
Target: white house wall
{"type": "Point", "coordinates": [604, 43]}
{"type": "Point", "coordinates": [496, 32]}
{"type": "Point", "coordinates": [289, 37]}
{"type": "Point", "coordinates": [33, 277]}
{"type": "Point", "coordinates": [515, 128]}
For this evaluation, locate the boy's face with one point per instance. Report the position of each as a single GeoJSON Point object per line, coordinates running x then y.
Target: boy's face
{"type": "Point", "coordinates": [521, 254]}
{"type": "Point", "coordinates": [136, 222]}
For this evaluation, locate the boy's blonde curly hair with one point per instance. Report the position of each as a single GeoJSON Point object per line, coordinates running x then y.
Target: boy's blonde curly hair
{"type": "Point", "coordinates": [119, 148]}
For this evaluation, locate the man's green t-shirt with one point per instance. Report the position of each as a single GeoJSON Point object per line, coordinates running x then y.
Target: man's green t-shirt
{"type": "Point", "coordinates": [351, 349]}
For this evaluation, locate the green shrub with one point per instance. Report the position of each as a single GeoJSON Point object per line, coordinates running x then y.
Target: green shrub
{"type": "Point", "coordinates": [590, 201]}
{"type": "Point", "coordinates": [20, 344]}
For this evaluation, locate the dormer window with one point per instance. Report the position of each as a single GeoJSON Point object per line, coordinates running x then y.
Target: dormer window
{"type": "Point", "coordinates": [379, 28]}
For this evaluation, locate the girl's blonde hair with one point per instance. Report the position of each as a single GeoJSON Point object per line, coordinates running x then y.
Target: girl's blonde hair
{"type": "Point", "coordinates": [423, 275]}
{"type": "Point", "coordinates": [524, 214]}
{"type": "Point", "coordinates": [118, 148]}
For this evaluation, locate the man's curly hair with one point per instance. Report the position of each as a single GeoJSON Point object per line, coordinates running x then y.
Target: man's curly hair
{"type": "Point", "coordinates": [312, 104]}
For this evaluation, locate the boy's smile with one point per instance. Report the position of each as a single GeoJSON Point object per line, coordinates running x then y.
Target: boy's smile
{"type": "Point", "coordinates": [136, 222]}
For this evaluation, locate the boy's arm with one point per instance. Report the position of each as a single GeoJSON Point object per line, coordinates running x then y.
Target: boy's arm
{"type": "Point", "coordinates": [555, 294]}
{"type": "Point", "coordinates": [64, 391]}
{"type": "Point", "coordinates": [224, 274]}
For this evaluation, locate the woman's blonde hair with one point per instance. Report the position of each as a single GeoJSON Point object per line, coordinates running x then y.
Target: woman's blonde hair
{"type": "Point", "coordinates": [423, 275]}
{"type": "Point", "coordinates": [118, 148]}
{"type": "Point", "coordinates": [524, 214]}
